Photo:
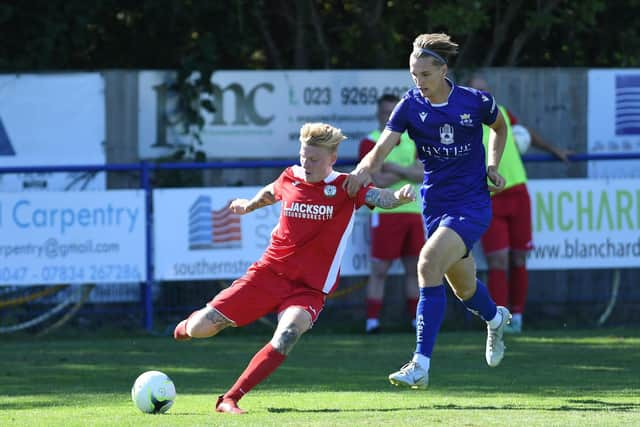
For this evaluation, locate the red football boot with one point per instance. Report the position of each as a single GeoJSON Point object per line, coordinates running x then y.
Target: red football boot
{"type": "Point", "coordinates": [180, 332]}
{"type": "Point", "coordinates": [228, 405]}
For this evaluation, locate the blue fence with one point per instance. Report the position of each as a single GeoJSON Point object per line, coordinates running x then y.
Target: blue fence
{"type": "Point", "coordinates": [146, 170]}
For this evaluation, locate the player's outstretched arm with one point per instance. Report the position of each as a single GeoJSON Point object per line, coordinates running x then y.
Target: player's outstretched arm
{"type": "Point", "coordinates": [388, 199]}
{"type": "Point", "coordinates": [264, 197]}
{"type": "Point", "coordinates": [362, 174]}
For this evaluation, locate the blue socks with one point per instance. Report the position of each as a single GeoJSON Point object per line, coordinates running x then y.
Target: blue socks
{"type": "Point", "coordinates": [481, 303]}
{"type": "Point", "coordinates": [429, 315]}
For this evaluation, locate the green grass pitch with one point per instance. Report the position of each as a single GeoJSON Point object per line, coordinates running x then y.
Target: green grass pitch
{"type": "Point", "coordinates": [563, 378]}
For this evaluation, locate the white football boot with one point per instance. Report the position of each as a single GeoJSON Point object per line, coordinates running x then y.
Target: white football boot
{"type": "Point", "coordinates": [410, 375]}
{"type": "Point", "coordinates": [494, 351]}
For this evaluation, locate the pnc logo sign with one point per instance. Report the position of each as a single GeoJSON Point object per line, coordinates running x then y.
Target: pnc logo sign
{"type": "Point", "coordinates": [6, 149]}
{"type": "Point", "coordinates": [243, 112]}
{"type": "Point", "coordinates": [245, 105]}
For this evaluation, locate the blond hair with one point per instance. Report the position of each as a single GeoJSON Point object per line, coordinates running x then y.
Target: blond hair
{"type": "Point", "coordinates": [438, 43]}
{"type": "Point", "coordinates": [321, 135]}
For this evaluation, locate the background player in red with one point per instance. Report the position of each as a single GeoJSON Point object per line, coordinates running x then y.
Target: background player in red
{"type": "Point", "coordinates": [509, 238]}
{"type": "Point", "coordinates": [395, 233]}
{"type": "Point", "coordinates": [301, 265]}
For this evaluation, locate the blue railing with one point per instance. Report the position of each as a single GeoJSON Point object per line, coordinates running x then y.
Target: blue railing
{"type": "Point", "coordinates": [146, 168]}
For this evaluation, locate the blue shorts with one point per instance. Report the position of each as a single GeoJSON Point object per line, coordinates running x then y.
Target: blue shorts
{"type": "Point", "coordinates": [469, 223]}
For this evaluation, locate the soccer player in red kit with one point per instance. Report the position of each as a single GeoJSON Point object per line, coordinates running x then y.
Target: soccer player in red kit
{"type": "Point", "coordinates": [301, 265]}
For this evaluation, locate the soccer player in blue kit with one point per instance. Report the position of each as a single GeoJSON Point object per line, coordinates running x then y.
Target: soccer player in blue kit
{"type": "Point", "coordinates": [445, 121]}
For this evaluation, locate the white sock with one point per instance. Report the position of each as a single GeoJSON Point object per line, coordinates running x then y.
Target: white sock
{"type": "Point", "coordinates": [422, 360]}
{"type": "Point", "coordinates": [496, 321]}
{"type": "Point", "coordinates": [516, 318]}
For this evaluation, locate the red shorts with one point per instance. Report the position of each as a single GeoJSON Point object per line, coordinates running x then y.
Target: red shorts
{"type": "Point", "coordinates": [261, 291]}
{"type": "Point", "coordinates": [510, 226]}
{"type": "Point", "coordinates": [396, 235]}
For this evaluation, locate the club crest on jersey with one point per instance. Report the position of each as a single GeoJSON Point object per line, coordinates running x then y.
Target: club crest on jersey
{"type": "Point", "coordinates": [423, 115]}
{"type": "Point", "coordinates": [329, 190]}
{"type": "Point", "coordinates": [465, 119]}
{"type": "Point", "coordinates": [446, 134]}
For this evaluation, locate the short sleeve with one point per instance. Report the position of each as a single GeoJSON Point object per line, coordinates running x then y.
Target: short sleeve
{"type": "Point", "coordinates": [398, 120]}
{"type": "Point", "coordinates": [278, 183]}
{"type": "Point", "coordinates": [488, 108]}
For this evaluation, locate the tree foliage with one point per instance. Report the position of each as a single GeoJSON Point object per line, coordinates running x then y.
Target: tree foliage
{"type": "Point", "coordinates": [311, 34]}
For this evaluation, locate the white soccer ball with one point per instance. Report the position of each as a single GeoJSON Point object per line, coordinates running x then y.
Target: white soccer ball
{"type": "Point", "coordinates": [522, 137]}
{"type": "Point", "coordinates": [153, 392]}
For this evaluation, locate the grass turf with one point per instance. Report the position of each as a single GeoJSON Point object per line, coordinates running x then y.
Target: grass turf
{"type": "Point", "coordinates": [547, 378]}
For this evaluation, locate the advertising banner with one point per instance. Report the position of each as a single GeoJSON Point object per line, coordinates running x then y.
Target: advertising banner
{"type": "Point", "coordinates": [196, 237]}
{"type": "Point", "coordinates": [613, 124]}
{"type": "Point", "coordinates": [72, 237]}
{"type": "Point", "coordinates": [577, 224]}
{"type": "Point", "coordinates": [52, 120]}
{"type": "Point", "coordinates": [259, 113]}
{"type": "Point", "coordinates": [583, 224]}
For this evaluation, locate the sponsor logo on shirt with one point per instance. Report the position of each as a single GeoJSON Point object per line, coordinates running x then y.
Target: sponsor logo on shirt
{"type": "Point", "coordinates": [445, 152]}
{"type": "Point", "coordinates": [465, 119]}
{"type": "Point", "coordinates": [330, 190]}
{"type": "Point", "coordinates": [446, 134]}
{"type": "Point", "coordinates": [423, 115]}
{"type": "Point", "coordinates": [308, 211]}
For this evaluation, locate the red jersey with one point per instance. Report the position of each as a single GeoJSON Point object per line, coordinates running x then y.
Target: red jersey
{"type": "Point", "coordinates": [316, 220]}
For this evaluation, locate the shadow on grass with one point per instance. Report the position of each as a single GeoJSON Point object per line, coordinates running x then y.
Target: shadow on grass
{"type": "Point", "coordinates": [575, 405]}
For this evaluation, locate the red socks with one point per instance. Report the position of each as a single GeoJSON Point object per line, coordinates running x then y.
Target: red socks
{"type": "Point", "coordinates": [260, 367]}
{"type": "Point", "coordinates": [374, 306]}
{"type": "Point", "coordinates": [498, 287]}
{"type": "Point", "coordinates": [412, 304]}
{"type": "Point", "coordinates": [518, 285]}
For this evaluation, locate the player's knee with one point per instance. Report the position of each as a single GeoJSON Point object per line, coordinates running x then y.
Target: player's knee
{"type": "Point", "coordinates": [286, 337]}
{"type": "Point", "coordinates": [429, 271]}
{"type": "Point", "coordinates": [498, 260]}
{"type": "Point", "coordinates": [518, 259]}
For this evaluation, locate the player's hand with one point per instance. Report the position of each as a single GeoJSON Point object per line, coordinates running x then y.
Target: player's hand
{"type": "Point", "coordinates": [356, 180]}
{"type": "Point", "coordinates": [563, 154]}
{"type": "Point", "coordinates": [239, 206]}
{"type": "Point", "coordinates": [498, 180]}
{"type": "Point", "coordinates": [406, 194]}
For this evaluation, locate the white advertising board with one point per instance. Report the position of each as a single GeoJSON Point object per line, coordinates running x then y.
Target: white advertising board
{"type": "Point", "coordinates": [577, 224]}
{"type": "Point", "coordinates": [614, 121]}
{"type": "Point", "coordinates": [259, 113]}
{"type": "Point", "coordinates": [72, 237]}
{"type": "Point", "coordinates": [52, 120]}
{"type": "Point", "coordinates": [583, 224]}
{"type": "Point", "coordinates": [196, 237]}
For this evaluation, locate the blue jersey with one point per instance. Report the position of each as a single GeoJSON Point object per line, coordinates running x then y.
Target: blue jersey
{"type": "Point", "coordinates": [448, 139]}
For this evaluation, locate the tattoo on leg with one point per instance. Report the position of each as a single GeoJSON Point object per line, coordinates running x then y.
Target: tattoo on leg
{"type": "Point", "coordinates": [284, 340]}
{"type": "Point", "coordinates": [218, 320]}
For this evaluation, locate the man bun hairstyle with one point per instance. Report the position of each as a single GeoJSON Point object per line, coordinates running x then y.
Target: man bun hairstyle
{"type": "Point", "coordinates": [321, 135]}
{"type": "Point", "coordinates": [439, 46]}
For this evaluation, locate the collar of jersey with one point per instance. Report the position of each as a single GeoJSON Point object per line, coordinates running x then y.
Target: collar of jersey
{"type": "Point", "coordinates": [444, 104]}
{"type": "Point", "coordinates": [298, 172]}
